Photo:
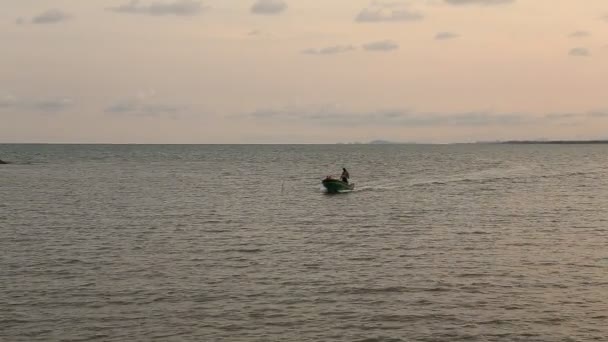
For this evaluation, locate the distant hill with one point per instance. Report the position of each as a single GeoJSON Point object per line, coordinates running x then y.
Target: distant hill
{"type": "Point", "coordinates": [381, 142]}
{"type": "Point", "coordinates": [376, 142]}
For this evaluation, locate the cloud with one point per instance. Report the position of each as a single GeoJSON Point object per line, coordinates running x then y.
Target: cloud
{"type": "Point", "coordinates": [574, 117]}
{"type": "Point", "coordinates": [330, 50]}
{"type": "Point", "coordinates": [176, 8]}
{"type": "Point", "coordinates": [383, 45]}
{"type": "Point", "coordinates": [52, 105]}
{"type": "Point", "coordinates": [145, 110]}
{"type": "Point", "coordinates": [122, 107]}
{"type": "Point", "coordinates": [446, 36]}
{"type": "Point", "coordinates": [7, 101]}
{"type": "Point", "coordinates": [268, 7]}
{"type": "Point", "coordinates": [579, 52]}
{"type": "Point", "coordinates": [479, 2]}
{"type": "Point", "coordinates": [387, 12]}
{"type": "Point", "coordinates": [142, 107]}
{"type": "Point", "coordinates": [44, 105]}
{"type": "Point", "coordinates": [561, 116]}
{"type": "Point", "coordinates": [158, 109]}
{"type": "Point", "coordinates": [598, 114]}
{"type": "Point", "coordinates": [52, 16]}
{"type": "Point", "coordinates": [332, 115]}
{"type": "Point", "coordinates": [256, 33]}
{"type": "Point", "coordinates": [579, 34]}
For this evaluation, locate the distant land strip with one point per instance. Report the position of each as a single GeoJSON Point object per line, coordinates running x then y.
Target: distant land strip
{"type": "Point", "coordinates": [555, 142]}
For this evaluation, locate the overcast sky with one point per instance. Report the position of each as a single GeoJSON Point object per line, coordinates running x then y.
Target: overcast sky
{"type": "Point", "coordinates": [302, 71]}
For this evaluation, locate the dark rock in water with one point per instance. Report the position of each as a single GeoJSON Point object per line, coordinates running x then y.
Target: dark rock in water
{"type": "Point", "coordinates": [3, 162]}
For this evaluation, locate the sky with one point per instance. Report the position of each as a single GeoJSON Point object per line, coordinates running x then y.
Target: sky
{"type": "Point", "coordinates": [302, 71]}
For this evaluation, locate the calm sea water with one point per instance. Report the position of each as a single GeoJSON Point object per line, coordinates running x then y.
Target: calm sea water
{"type": "Point", "coordinates": [239, 243]}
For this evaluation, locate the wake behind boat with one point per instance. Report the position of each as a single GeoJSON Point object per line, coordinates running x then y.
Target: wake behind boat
{"type": "Point", "coordinates": [335, 186]}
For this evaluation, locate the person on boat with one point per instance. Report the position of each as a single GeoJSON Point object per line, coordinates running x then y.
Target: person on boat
{"type": "Point", "coordinates": [345, 176]}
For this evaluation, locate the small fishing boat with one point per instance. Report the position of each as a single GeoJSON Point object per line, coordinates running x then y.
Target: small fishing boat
{"type": "Point", "coordinates": [334, 186]}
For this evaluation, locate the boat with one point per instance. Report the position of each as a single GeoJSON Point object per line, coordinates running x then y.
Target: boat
{"type": "Point", "coordinates": [334, 186]}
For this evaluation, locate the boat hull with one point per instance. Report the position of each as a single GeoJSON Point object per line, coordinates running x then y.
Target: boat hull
{"type": "Point", "coordinates": [334, 185]}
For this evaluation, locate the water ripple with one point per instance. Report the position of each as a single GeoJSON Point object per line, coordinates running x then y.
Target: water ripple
{"type": "Point", "coordinates": [235, 243]}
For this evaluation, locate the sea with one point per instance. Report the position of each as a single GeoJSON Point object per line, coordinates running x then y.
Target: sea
{"type": "Point", "coordinates": [239, 243]}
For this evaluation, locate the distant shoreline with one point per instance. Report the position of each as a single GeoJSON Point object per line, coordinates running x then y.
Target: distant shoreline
{"type": "Point", "coordinates": [562, 142]}
{"type": "Point", "coordinates": [376, 142]}
{"type": "Point", "coordinates": [507, 142]}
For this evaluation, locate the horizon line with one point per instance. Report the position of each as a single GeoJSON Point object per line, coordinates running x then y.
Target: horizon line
{"type": "Point", "coordinates": [373, 142]}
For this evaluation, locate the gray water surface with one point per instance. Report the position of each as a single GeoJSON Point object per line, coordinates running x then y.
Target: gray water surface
{"type": "Point", "coordinates": [239, 243]}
